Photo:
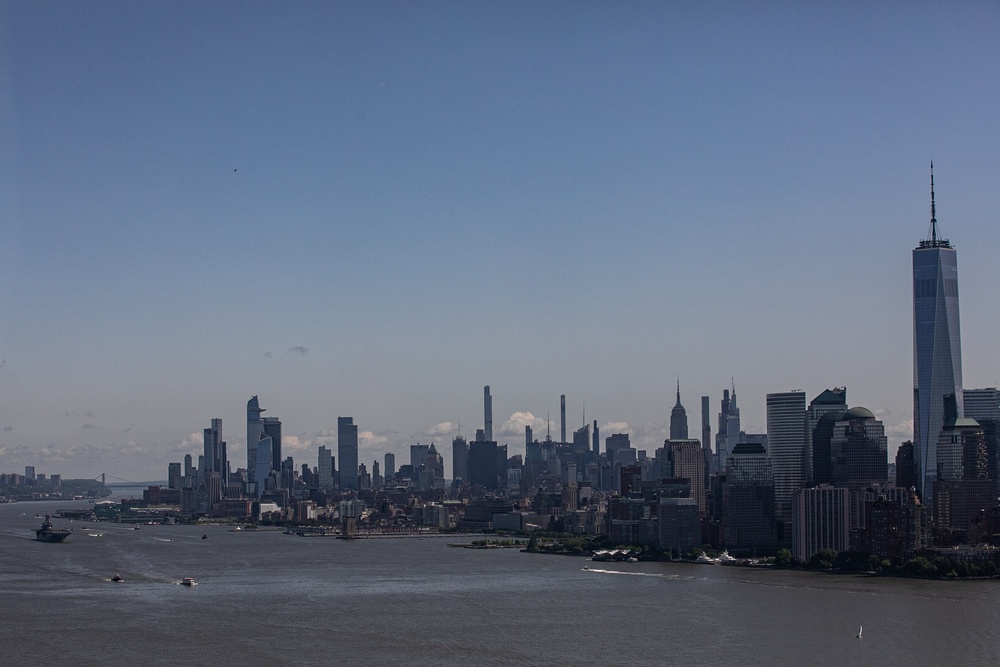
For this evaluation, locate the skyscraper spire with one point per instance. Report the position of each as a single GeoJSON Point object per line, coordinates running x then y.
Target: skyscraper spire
{"type": "Point", "coordinates": [678, 418]}
{"type": "Point", "coordinates": [934, 240]}
{"type": "Point", "coordinates": [933, 212]}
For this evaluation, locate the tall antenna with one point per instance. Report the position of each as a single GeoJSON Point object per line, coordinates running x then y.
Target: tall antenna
{"type": "Point", "coordinates": [933, 212]}
{"type": "Point", "coordinates": [548, 424]}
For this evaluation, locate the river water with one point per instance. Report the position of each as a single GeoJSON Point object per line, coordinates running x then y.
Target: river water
{"type": "Point", "coordinates": [268, 598]}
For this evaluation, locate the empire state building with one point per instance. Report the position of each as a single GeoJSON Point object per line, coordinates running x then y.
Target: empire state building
{"type": "Point", "coordinates": [937, 348]}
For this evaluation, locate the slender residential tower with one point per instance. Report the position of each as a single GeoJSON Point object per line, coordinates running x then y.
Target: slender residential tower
{"type": "Point", "coordinates": [937, 348]}
{"type": "Point", "coordinates": [562, 417]}
{"type": "Point", "coordinates": [488, 412]}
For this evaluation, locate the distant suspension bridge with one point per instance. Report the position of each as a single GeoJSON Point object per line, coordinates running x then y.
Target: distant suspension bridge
{"type": "Point", "coordinates": [109, 481]}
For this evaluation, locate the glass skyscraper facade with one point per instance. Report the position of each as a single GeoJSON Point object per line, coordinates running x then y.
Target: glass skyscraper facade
{"type": "Point", "coordinates": [937, 348]}
{"type": "Point", "coordinates": [347, 453]}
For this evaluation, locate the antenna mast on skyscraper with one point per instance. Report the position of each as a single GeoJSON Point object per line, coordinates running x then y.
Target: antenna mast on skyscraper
{"type": "Point", "coordinates": [933, 212]}
{"type": "Point", "coordinates": [934, 241]}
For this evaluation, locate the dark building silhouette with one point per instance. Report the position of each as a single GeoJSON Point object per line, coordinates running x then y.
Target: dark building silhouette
{"type": "Point", "coordinates": [483, 468]}
{"type": "Point", "coordinates": [748, 502]}
{"type": "Point", "coordinates": [347, 453]}
{"type": "Point", "coordinates": [460, 459]}
{"type": "Point", "coordinates": [895, 526]}
{"type": "Point", "coordinates": [964, 488]}
{"type": "Point", "coordinates": [272, 428]}
{"type": "Point", "coordinates": [906, 471]}
{"type": "Point", "coordinates": [822, 413]}
{"type": "Point", "coordinates": [678, 418]}
{"type": "Point", "coordinates": [859, 451]}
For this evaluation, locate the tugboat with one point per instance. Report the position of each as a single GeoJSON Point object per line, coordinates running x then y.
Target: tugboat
{"type": "Point", "coordinates": [49, 534]}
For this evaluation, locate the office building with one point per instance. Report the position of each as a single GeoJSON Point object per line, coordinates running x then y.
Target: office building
{"type": "Point", "coordinates": [686, 459]}
{"type": "Point", "coordinates": [255, 429]}
{"type": "Point", "coordinates": [596, 442]}
{"type": "Point", "coordinates": [983, 405]}
{"type": "Point", "coordinates": [786, 413]}
{"type": "Point", "coordinates": [748, 502]}
{"type": "Point", "coordinates": [823, 413]}
{"type": "Point", "coordinates": [483, 459]}
{"type": "Point", "coordinates": [347, 453]}
{"type": "Point", "coordinates": [728, 434]}
{"type": "Point", "coordinates": [678, 418]}
{"type": "Point", "coordinates": [906, 469]}
{"type": "Point", "coordinates": [963, 490]}
{"type": "Point", "coordinates": [858, 451]}
{"type": "Point", "coordinates": [937, 347]}
{"type": "Point", "coordinates": [174, 475]}
{"type": "Point", "coordinates": [272, 427]}
{"type": "Point", "coordinates": [821, 519]}
{"type": "Point", "coordinates": [706, 430]}
{"type": "Point", "coordinates": [459, 459]}
{"type": "Point", "coordinates": [324, 469]}
{"type": "Point", "coordinates": [678, 525]}
{"type": "Point", "coordinates": [390, 466]}
{"type": "Point", "coordinates": [213, 448]}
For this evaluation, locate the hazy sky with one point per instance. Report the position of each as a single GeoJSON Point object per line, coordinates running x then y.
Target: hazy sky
{"type": "Point", "coordinates": [374, 209]}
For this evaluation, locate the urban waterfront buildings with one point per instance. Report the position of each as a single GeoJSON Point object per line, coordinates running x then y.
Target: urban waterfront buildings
{"type": "Point", "coordinates": [937, 347]}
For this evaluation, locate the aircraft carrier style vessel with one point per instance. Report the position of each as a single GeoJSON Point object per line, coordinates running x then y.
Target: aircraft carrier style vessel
{"type": "Point", "coordinates": [49, 534]}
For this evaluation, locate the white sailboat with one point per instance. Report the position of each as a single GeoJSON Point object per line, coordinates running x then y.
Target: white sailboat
{"type": "Point", "coordinates": [860, 630]}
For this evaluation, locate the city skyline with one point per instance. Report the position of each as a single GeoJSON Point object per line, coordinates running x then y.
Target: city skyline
{"type": "Point", "coordinates": [378, 210]}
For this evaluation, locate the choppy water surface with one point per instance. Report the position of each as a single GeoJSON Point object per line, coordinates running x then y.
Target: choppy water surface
{"type": "Point", "coordinates": [268, 598]}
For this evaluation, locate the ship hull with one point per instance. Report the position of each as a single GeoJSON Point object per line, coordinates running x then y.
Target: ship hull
{"type": "Point", "coordinates": [51, 536]}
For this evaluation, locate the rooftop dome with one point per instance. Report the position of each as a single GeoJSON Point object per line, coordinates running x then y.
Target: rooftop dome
{"type": "Point", "coordinates": [858, 413]}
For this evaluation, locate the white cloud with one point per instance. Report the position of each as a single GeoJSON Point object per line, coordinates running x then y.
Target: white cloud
{"type": "Point", "coordinates": [901, 431]}
{"type": "Point", "coordinates": [293, 442]}
{"type": "Point", "coordinates": [368, 439]}
{"type": "Point", "coordinates": [513, 426]}
{"type": "Point", "coordinates": [614, 427]}
{"type": "Point", "coordinates": [441, 430]}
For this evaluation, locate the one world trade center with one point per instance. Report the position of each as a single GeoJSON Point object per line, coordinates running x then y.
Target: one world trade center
{"type": "Point", "coordinates": [937, 349]}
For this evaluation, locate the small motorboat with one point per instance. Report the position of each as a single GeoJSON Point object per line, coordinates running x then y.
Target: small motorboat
{"type": "Point", "coordinates": [188, 581]}
{"type": "Point", "coordinates": [118, 578]}
{"type": "Point", "coordinates": [204, 536]}
{"type": "Point", "coordinates": [136, 528]}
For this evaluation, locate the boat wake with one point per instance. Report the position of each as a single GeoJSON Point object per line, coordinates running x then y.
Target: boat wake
{"type": "Point", "coordinates": [635, 574]}
{"type": "Point", "coordinates": [162, 539]}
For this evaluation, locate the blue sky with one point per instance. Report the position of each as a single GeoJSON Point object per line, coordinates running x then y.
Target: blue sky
{"type": "Point", "coordinates": [374, 209]}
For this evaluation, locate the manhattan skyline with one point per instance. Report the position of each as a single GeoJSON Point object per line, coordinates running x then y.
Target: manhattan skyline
{"type": "Point", "coordinates": [376, 210]}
